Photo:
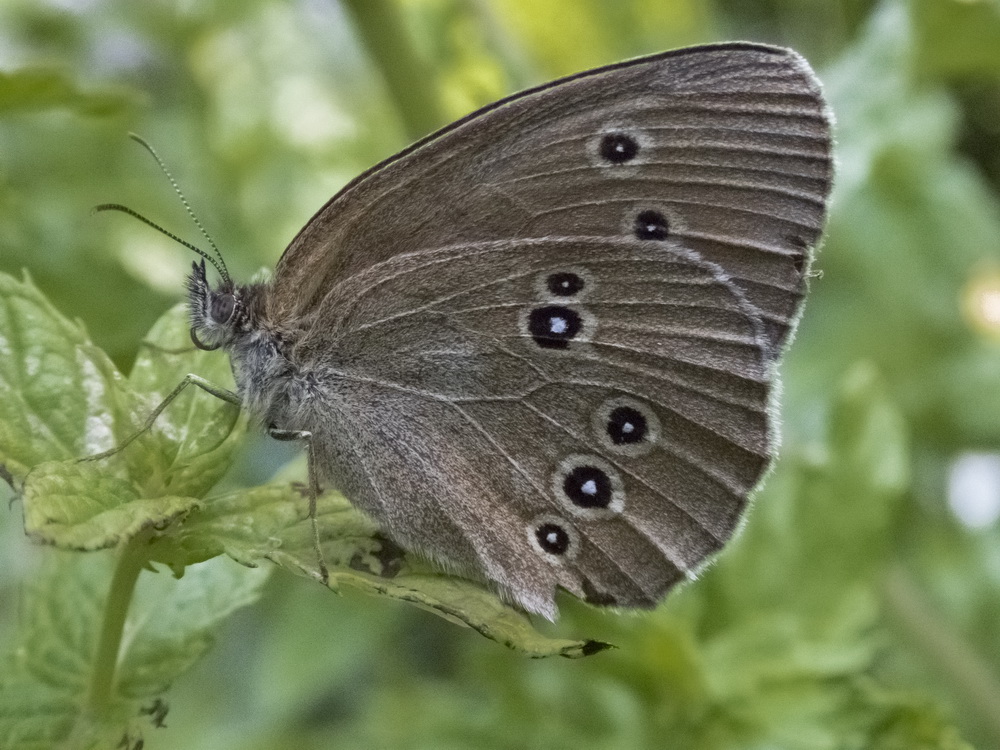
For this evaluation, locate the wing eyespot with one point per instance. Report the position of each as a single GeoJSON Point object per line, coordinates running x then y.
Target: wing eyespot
{"type": "Point", "coordinates": [589, 487]}
{"type": "Point", "coordinates": [626, 426]}
{"type": "Point", "coordinates": [618, 148]}
{"type": "Point", "coordinates": [554, 326]}
{"type": "Point", "coordinates": [552, 538]}
{"type": "Point", "coordinates": [555, 539]}
{"type": "Point", "coordinates": [651, 225]}
{"type": "Point", "coordinates": [564, 284]}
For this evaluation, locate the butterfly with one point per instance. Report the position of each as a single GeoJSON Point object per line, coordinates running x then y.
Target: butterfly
{"type": "Point", "coordinates": [539, 346]}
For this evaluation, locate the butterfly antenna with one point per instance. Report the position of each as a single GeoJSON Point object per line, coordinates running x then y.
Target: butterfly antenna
{"type": "Point", "coordinates": [158, 228]}
{"type": "Point", "coordinates": [221, 265]}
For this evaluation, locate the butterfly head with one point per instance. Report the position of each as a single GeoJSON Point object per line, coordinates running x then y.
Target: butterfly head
{"type": "Point", "coordinates": [220, 316]}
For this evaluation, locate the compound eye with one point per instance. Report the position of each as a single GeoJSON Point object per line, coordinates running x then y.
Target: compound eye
{"type": "Point", "coordinates": [222, 308]}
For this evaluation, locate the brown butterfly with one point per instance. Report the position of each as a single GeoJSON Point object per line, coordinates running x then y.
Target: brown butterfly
{"type": "Point", "coordinates": [539, 345]}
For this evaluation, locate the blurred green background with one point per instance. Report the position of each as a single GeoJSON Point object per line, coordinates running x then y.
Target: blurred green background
{"type": "Point", "coordinates": [859, 607]}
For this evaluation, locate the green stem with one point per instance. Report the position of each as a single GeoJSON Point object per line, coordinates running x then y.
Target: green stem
{"type": "Point", "coordinates": [410, 80]}
{"type": "Point", "coordinates": [133, 558]}
{"type": "Point", "coordinates": [957, 660]}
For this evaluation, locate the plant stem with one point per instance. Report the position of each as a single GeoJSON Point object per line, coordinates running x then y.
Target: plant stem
{"type": "Point", "coordinates": [409, 78]}
{"type": "Point", "coordinates": [977, 686]}
{"type": "Point", "coordinates": [132, 559]}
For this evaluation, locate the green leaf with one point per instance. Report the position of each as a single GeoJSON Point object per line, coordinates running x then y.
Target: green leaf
{"type": "Point", "coordinates": [68, 401]}
{"type": "Point", "coordinates": [273, 522]}
{"type": "Point", "coordinates": [197, 435]}
{"type": "Point", "coordinates": [358, 556]}
{"type": "Point", "coordinates": [464, 603]}
{"type": "Point", "coordinates": [173, 622]}
{"type": "Point", "coordinates": [62, 396]}
{"type": "Point", "coordinates": [35, 715]}
{"type": "Point", "coordinates": [245, 524]}
{"type": "Point", "coordinates": [44, 689]}
{"type": "Point", "coordinates": [80, 506]}
{"type": "Point", "coordinates": [43, 685]}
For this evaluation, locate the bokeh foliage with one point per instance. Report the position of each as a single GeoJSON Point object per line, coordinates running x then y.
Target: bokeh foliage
{"type": "Point", "coordinates": [854, 611]}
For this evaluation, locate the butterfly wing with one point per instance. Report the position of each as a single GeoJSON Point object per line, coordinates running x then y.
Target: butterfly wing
{"type": "Point", "coordinates": [547, 334]}
{"type": "Point", "coordinates": [732, 146]}
{"type": "Point", "coordinates": [470, 422]}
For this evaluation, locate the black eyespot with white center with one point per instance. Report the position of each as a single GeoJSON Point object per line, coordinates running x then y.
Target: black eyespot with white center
{"type": "Point", "coordinates": [651, 225]}
{"type": "Point", "coordinates": [588, 487]}
{"type": "Point", "coordinates": [618, 148]}
{"type": "Point", "coordinates": [567, 285]}
{"type": "Point", "coordinates": [627, 426]}
{"type": "Point", "coordinates": [553, 538]}
{"type": "Point", "coordinates": [554, 326]}
{"type": "Point", "coordinates": [564, 284]}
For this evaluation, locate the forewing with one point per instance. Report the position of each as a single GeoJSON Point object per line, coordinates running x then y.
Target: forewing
{"type": "Point", "coordinates": [733, 149]}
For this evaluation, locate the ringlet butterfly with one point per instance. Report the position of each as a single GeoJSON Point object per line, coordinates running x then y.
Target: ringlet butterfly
{"type": "Point", "coordinates": [538, 346]}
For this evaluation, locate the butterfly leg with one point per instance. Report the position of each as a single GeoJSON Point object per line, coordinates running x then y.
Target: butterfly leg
{"type": "Point", "coordinates": [205, 385]}
{"type": "Point", "coordinates": [314, 491]}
